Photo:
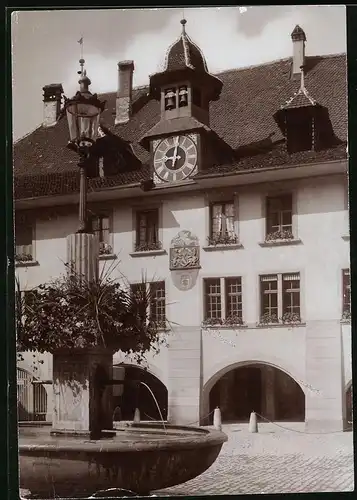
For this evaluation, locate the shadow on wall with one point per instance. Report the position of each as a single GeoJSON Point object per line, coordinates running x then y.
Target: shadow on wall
{"type": "Point", "coordinates": [141, 398]}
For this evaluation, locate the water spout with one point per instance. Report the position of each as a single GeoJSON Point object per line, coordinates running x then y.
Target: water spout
{"type": "Point", "coordinates": [157, 404]}
{"type": "Point", "coordinates": [117, 410]}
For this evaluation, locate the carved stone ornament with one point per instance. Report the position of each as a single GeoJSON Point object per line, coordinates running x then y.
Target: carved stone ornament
{"type": "Point", "coordinates": [193, 137]}
{"type": "Point", "coordinates": [185, 251]}
{"type": "Point", "coordinates": [157, 179]}
{"type": "Point", "coordinates": [184, 280]}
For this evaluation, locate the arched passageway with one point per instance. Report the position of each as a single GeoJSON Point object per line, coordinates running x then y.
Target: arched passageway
{"type": "Point", "coordinates": [126, 398]}
{"type": "Point", "coordinates": [31, 398]}
{"type": "Point", "coordinates": [260, 388]}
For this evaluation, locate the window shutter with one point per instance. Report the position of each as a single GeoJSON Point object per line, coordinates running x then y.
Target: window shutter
{"type": "Point", "coordinates": [271, 277]}
{"type": "Point", "coordinates": [291, 277]}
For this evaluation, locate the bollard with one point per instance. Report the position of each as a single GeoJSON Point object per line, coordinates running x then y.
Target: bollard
{"type": "Point", "coordinates": [217, 419]}
{"type": "Point", "coordinates": [137, 416]}
{"type": "Point", "coordinates": [253, 424]}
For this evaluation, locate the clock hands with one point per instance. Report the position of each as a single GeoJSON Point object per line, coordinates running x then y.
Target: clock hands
{"type": "Point", "coordinates": [175, 152]}
{"type": "Point", "coordinates": [172, 158]}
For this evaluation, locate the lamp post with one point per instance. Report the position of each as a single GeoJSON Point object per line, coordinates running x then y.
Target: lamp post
{"type": "Point", "coordinates": [83, 114]}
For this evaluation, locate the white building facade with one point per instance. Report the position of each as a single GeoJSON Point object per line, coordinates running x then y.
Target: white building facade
{"type": "Point", "coordinates": [246, 240]}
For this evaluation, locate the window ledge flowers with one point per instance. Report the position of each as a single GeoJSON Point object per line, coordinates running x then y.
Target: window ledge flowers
{"type": "Point", "coordinates": [230, 322]}
{"type": "Point", "coordinates": [288, 319]}
{"type": "Point", "coordinates": [23, 260]}
{"type": "Point", "coordinates": [346, 316]}
{"type": "Point", "coordinates": [283, 237]}
{"type": "Point", "coordinates": [223, 242]}
{"type": "Point", "coordinates": [145, 249]}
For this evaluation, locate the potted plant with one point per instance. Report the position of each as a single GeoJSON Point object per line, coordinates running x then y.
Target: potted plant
{"type": "Point", "coordinates": [269, 319]}
{"type": "Point", "coordinates": [212, 322]}
{"type": "Point", "coordinates": [346, 315]}
{"type": "Point", "coordinates": [283, 234]}
{"type": "Point", "coordinates": [23, 257]}
{"type": "Point", "coordinates": [233, 320]}
{"type": "Point", "coordinates": [147, 247]}
{"type": "Point", "coordinates": [105, 248]}
{"type": "Point", "coordinates": [82, 324]}
{"type": "Point", "coordinates": [223, 239]}
{"type": "Point", "coordinates": [291, 318]}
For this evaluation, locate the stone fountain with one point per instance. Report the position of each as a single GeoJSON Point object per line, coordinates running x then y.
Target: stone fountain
{"type": "Point", "coordinates": [82, 453]}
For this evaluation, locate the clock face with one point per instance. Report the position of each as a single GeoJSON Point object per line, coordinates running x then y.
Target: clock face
{"type": "Point", "coordinates": [175, 158]}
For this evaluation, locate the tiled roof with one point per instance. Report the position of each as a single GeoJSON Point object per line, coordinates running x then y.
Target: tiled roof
{"type": "Point", "coordinates": [300, 100]}
{"type": "Point", "coordinates": [242, 116]}
{"type": "Point", "coordinates": [185, 53]}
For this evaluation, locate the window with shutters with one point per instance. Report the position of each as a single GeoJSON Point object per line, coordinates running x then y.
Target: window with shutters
{"type": "Point", "coordinates": [280, 298]}
{"type": "Point", "coordinates": [223, 301]}
{"type": "Point", "coordinates": [279, 217]}
{"type": "Point", "coordinates": [101, 229]}
{"type": "Point", "coordinates": [155, 293]}
{"type": "Point", "coordinates": [222, 224]}
{"type": "Point", "coordinates": [24, 247]}
{"type": "Point", "coordinates": [147, 230]}
{"type": "Point", "coordinates": [346, 295]}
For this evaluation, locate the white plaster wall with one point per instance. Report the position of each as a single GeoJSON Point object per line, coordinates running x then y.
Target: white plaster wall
{"type": "Point", "coordinates": [320, 221]}
{"type": "Point", "coordinates": [347, 353]}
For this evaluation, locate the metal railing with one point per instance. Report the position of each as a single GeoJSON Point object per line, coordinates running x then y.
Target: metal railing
{"type": "Point", "coordinates": [31, 398]}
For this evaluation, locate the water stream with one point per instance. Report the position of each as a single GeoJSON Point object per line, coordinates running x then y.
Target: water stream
{"type": "Point", "coordinates": [155, 400]}
{"type": "Point", "coordinates": [157, 404]}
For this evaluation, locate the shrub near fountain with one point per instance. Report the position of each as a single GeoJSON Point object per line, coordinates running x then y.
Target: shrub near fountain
{"type": "Point", "coordinates": [82, 324]}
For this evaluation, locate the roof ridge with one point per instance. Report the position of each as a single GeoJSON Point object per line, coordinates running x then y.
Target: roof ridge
{"type": "Point", "coordinates": [27, 134]}
{"type": "Point", "coordinates": [231, 70]}
{"type": "Point", "coordinates": [275, 61]}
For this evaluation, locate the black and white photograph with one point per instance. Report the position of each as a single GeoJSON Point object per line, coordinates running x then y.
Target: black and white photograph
{"type": "Point", "coordinates": [182, 251]}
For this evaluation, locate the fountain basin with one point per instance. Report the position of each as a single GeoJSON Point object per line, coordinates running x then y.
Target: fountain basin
{"type": "Point", "coordinates": [140, 457]}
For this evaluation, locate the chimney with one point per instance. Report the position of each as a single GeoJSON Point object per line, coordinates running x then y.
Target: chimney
{"type": "Point", "coordinates": [52, 97]}
{"type": "Point", "coordinates": [299, 38]}
{"type": "Point", "coordinates": [125, 89]}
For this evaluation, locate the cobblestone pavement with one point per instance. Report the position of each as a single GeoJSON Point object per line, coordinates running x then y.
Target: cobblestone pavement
{"type": "Point", "coordinates": [276, 461]}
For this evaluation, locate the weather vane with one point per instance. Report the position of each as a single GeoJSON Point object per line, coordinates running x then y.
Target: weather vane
{"type": "Point", "coordinates": [81, 61]}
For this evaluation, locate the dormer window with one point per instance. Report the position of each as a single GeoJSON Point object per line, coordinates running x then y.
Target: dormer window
{"type": "Point", "coordinates": [300, 129]}
{"type": "Point", "coordinates": [183, 96]}
{"type": "Point", "coordinates": [170, 99]}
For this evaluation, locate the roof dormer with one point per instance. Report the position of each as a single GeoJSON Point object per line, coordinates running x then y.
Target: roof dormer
{"type": "Point", "coordinates": [298, 119]}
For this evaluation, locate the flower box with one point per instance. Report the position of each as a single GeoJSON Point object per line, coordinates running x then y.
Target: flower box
{"type": "Point", "coordinates": [279, 235]}
{"type": "Point", "coordinates": [228, 239]}
{"type": "Point", "coordinates": [148, 247]}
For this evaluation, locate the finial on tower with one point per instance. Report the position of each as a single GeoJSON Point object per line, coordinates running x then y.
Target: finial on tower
{"type": "Point", "coordinates": [183, 22]}
{"type": "Point", "coordinates": [81, 63]}
{"type": "Point", "coordinates": [84, 81]}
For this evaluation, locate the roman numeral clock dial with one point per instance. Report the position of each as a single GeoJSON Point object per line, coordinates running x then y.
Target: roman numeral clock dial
{"type": "Point", "coordinates": [175, 158]}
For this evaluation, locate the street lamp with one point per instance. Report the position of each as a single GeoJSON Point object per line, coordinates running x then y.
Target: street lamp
{"type": "Point", "coordinates": [83, 114]}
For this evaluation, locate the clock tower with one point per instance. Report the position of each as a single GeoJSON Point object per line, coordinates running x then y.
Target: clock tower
{"type": "Point", "coordinates": [182, 142]}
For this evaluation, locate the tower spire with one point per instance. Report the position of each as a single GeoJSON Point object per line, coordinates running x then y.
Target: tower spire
{"type": "Point", "coordinates": [183, 23]}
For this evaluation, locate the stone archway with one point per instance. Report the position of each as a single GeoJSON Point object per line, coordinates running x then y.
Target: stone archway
{"type": "Point", "coordinates": [258, 387]}
{"type": "Point", "coordinates": [127, 398]}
